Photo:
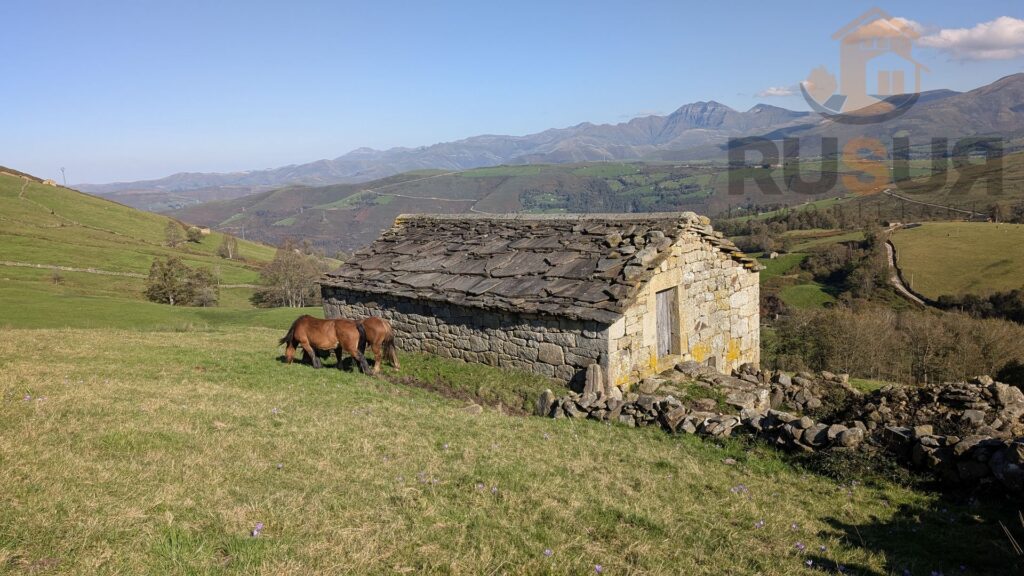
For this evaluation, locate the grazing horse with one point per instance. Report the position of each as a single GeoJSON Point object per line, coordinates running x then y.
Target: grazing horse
{"type": "Point", "coordinates": [381, 339]}
{"type": "Point", "coordinates": [313, 334]}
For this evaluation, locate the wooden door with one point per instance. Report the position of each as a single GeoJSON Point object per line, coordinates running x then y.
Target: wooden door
{"type": "Point", "coordinates": [665, 301]}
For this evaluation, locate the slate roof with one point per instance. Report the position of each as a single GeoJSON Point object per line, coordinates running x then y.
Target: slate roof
{"type": "Point", "coordinates": [580, 266]}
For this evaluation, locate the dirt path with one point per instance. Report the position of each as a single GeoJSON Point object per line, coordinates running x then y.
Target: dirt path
{"type": "Point", "coordinates": [472, 208]}
{"type": "Point", "coordinates": [894, 273]}
{"type": "Point", "coordinates": [97, 271]}
{"type": "Point", "coordinates": [970, 213]}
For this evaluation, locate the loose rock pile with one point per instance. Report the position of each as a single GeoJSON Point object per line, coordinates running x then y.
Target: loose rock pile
{"type": "Point", "coordinates": [980, 406]}
{"type": "Point", "coordinates": [964, 432]}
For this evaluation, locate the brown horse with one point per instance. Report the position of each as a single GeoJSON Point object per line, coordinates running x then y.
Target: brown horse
{"type": "Point", "coordinates": [381, 339]}
{"type": "Point", "coordinates": [313, 334]}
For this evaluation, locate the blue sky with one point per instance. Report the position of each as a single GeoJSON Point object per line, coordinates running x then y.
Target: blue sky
{"type": "Point", "coordinates": [131, 90]}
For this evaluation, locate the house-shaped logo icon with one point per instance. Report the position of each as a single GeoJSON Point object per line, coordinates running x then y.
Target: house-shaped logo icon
{"type": "Point", "coordinates": [873, 40]}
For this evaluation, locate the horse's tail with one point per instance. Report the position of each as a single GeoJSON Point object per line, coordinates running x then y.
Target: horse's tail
{"type": "Point", "coordinates": [389, 345]}
{"type": "Point", "coordinates": [362, 337]}
{"type": "Point", "coordinates": [289, 337]}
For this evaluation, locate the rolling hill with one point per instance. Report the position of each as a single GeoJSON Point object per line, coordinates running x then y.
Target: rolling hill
{"type": "Point", "coordinates": [956, 258]}
{"type": "Point", "coordinates": [346, 216]}
{"type": "Point", "coordinates": [71, 259]}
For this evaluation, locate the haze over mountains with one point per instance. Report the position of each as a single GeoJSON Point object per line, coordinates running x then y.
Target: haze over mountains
{"type": "Point", "coordinates": [692, 125]}
{"type": "Point", "coordinates": [697, 131]}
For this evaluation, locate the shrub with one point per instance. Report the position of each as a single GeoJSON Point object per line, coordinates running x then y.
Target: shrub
{"type": "Point", "coordinates": [171, 282]}
{"type": "Point", "coordinates": [290, 279]}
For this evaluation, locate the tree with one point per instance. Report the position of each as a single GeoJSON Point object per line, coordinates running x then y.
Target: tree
{"type": "Point", "coordinates": [194, 234]}
{"type": "Point", "coordinates": [172, 282]}
{"type": "Point", "coordinates": [290, 279]}
{"type": "Point", "coordinates": [173, 234]}
{"type": "Point", "coordinates": [228, 247]}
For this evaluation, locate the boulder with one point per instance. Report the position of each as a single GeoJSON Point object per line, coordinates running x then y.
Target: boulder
{"type": "Point", "coordinates": [834, 431]}
{"type": "Point", "coordinates": [1007, 466]}
{"type": "Point", "coordinates": [572, 411]}
{"type": "Point", "coordinates": [850, 437]}
{"type": "Point", "coordinates": [594, 381]}
{"type": "Point", "coordinates": [649, 385]}
{"type": "Point", "coordinates": [973, 417]}
{"type": "Point", "coordinates": [671, 420]}
{"type": "Point", "coordinates": [816, 436]}
{"type": "Point", "coordinates": [545, 402]}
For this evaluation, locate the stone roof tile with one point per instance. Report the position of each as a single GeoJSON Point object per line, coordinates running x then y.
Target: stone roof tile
{"type": "Point", "coordinates": [581, 266]}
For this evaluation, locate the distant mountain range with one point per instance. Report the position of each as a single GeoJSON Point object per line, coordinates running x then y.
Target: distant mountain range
{"type": "Point", "coordinates": [695, 131]}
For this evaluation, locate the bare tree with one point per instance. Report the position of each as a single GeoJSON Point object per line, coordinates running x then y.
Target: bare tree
{"type": "Point", "coordinates": [290, 279]}
{"type": "Point", "coordinates": [228, 247]}
{"type": "Point", "coordinates": [172, 232]}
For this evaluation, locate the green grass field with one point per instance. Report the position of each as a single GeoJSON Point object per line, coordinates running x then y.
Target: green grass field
{"type": "Point", "coordinates": [940, 258]}
{"type": "Point", "coordinates": [783, 264]}
{"type": "Point", "coordinates": [138, 438]}
{"type": "Point", "coordinates": [57, 226]}
{"type": "Point", "coordinates": [809, 295]}
{"type": "Point", "coordinates": [127, 452]}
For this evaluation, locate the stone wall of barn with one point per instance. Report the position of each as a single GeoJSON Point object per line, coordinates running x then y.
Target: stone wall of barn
{"type": "Point", "coordinates": [716, 315]}
{"type": "Point", "coordinates": [555, 347]}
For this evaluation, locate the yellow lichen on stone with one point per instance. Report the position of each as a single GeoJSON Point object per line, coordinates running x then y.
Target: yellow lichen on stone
{"type": "Point", "coordinates": [701, 352]}
{"type": "Point", "coordinates": [732, 353]}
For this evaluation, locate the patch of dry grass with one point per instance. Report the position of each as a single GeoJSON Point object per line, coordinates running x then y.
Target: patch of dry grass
{"type": "Point", "coordinates": [133, 452]}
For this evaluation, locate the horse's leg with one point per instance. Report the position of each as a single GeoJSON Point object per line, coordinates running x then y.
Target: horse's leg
{"type": "Point", "coordinates": [311, 354]}
{"type": "Point", "coordinates": [378, 356]}
{"type": "Point", "coordinates": [353, 349]}
{"type": "Point", "coordinates": [339, 353]}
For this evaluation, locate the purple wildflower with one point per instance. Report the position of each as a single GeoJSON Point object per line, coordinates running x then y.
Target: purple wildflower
{"type": "Point", "coordinates": [257, 530]}
{"type": "Point", "coordinates": [937, 573]}
{"type": "Point", "coordinates": [598, 568]}
{"type": "Point", "coordinates": [759, 524]}
{"type": "Point", "coordinates": [494, 489]}
{"type": "Point", "coordinates": [547, 436]}
{"type": "Point", "coordinates": [28, 397]}
{"type": "Point", "coordinates": [800, 546]}
{"type": "Point", "coordinates": [274, 411]}
{"type": "Point", "coordinates": [740, 489]}
{"type": "Point", "coordinates": [842, 569]}
{"type": "Point", "coordinates": [809, 562]}
{"type": "Point", "coordinates": [280, 466]}
{"type": "Point", "coordinates": [480, 486]}
{"type": "Point", "coordinates": [794, 526]}
{"type": "Point", "coordinates": [445, 446]}
{"type": "Point", "coordinates": [548, 552]}
{"type": "Point", "coordinates": [822, 548]}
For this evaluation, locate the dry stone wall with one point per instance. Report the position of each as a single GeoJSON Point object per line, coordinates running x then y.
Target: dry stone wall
{"type": "Point", "coordinates": [965, 433]}
{"type": "Point", "coordinates": [555, 347]}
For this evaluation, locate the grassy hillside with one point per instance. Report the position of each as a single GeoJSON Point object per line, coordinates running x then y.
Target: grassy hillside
{"type": "Point", "coordinates": [55, 226]}
{"type": "Point", "coordinates": [161, 455]}
{"type": "Point", "coordinates": [351, 215]}
{"type": "Point", "coordinates": [952, 258]}
{"type": "Point", "coordinates": [348, 216]}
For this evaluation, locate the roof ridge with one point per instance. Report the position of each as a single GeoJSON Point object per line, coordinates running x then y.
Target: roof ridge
{"type": "Point", "coordinates": [568, 217]}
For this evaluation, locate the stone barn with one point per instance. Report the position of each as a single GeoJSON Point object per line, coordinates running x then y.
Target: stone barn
{"type": "Point", "coordinates": [552, 294]}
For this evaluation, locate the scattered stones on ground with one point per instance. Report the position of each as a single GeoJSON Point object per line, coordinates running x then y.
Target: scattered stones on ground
{"type": "Point", "coordinates": [963, 432]}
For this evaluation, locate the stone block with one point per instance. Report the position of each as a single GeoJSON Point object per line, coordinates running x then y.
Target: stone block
{"type": "Point", "coordinates": [550, 354]}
